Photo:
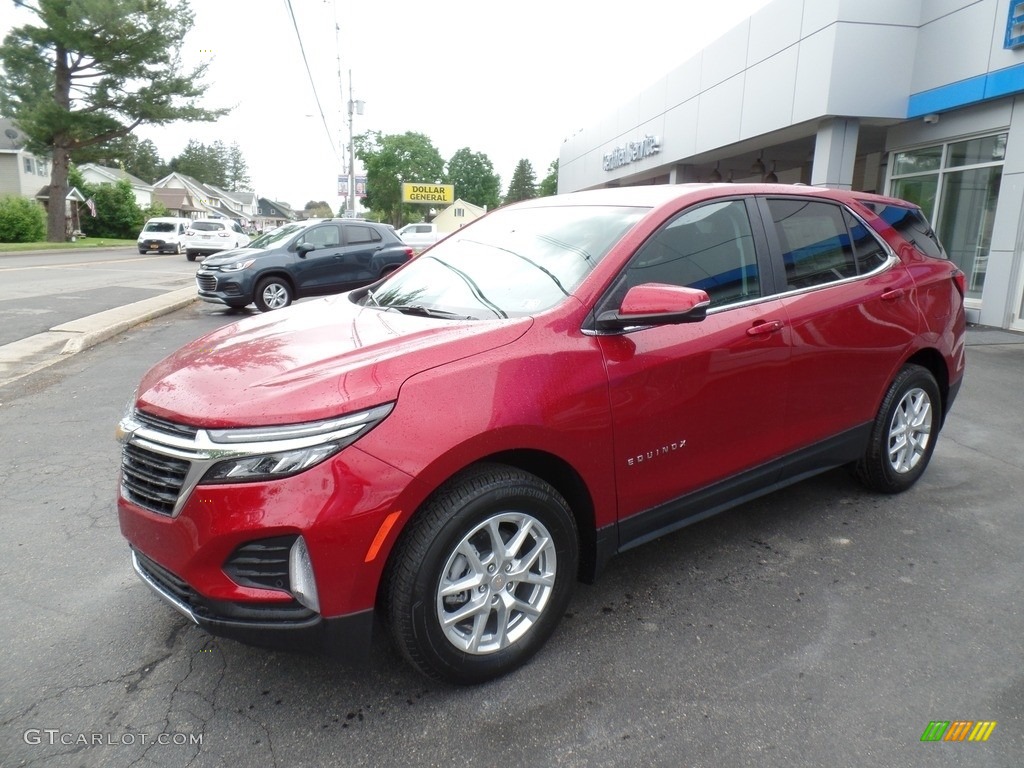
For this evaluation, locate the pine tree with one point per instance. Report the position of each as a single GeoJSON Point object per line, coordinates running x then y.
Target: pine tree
{"type": "Point", "coordinates": [524, 183]}
{"type": "Point", "coordinates": [121, 60]}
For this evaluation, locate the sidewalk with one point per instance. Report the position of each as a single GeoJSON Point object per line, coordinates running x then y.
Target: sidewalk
{"type": "Point", "coordinates": [22, 358]}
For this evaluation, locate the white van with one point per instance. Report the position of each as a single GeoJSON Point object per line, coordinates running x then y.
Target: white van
{"type": "Point", "coordinates": [163, 234]}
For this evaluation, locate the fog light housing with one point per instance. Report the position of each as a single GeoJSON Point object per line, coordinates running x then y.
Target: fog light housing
{"type": "Point", "coordinates": [300, 575]}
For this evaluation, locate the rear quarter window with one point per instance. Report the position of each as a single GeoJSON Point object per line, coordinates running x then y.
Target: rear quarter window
{"type": "Point", "coordinates": [911, 225]}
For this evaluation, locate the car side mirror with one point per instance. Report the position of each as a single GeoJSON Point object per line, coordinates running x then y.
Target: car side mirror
{"type": "Point", "coordinates": [304, 248]}
{"type": "Point", "coordinates": [656, 304]}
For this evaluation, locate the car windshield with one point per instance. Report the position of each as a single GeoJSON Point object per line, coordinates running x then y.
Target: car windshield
{"type": "Point", "coordinates": [159, 226]}
{"type": "Point", "coordinates": [512, 263]}
{"type": "Point", "coordinates": [275, 237]}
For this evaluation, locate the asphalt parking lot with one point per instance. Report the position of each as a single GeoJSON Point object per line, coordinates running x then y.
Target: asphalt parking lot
{"type": "Point", "coordinates": [819, 626]}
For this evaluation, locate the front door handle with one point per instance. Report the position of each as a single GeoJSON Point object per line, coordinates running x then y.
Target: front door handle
{"type": "Point", "coordinates": [895, 293]}
{"type": "Point", "coordinates": [764, 327]}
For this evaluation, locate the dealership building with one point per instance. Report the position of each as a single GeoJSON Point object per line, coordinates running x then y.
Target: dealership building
{"type": "Point", "coordinates": [919, 99]}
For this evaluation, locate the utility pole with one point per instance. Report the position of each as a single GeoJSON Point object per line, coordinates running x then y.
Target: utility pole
{"type": "Point", "coordinates": [354, 108]}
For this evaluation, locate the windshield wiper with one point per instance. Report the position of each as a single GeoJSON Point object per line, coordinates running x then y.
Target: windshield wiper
{"type": "Point", "coordinates": [420, 310]}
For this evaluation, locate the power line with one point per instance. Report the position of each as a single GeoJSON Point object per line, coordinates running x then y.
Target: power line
{"type": "Point", "coordinates": [309, 72]}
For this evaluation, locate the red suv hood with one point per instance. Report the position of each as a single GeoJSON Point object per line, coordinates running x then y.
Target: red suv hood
{"type": "Point", "coordinates": [310, 362]}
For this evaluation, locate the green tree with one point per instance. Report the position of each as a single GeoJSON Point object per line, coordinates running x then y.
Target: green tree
{"type": "Point", "coordinates": [549, 186]}
{"type": "Point", "coordinates": [117, 212]}
{"type": "Point", "coordinates": [21, 220]}
{"type": "Point", "coordinates": [207, 164]}
{"type": "Point", "coordinates": [93, 70]}
{"type": "Point", "coordinates": [524, 183]}
{"type": "Point", "coordinates": [389, 160]}
{"type": "Point", "coordinates": [139, 158]}
{"type": "Point", "coordinates": [237, 170]}
{"type": "Point", "coordinates": [474, 178]}
{"type": "Point", "coordinates": [317, 209]}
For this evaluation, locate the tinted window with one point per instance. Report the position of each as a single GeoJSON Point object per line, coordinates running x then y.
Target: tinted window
{"type": "Point", "coordinates": [868, 251]}
{"type": "Point", "coordinates": [815, 244]}
{"type": "Point", "coordinates": [912, 226]}
{"type": "Point", "coordinates": [208, 226]}
{"type": "Point", "coordinates": [356, 234]}
{"type": "Point", "coordinates": [710, 248]}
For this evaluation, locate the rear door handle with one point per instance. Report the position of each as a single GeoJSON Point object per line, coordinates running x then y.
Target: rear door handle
{"type": "Point", "coordinates": [895, 293]}
{"type": "Point", "coordinates": [764, 327]}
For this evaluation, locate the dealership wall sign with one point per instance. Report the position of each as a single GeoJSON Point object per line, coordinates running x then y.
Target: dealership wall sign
{"type": "Point", "coordinates": [428, 193]}
{"type": "Point", "coordinates": [631, 152]}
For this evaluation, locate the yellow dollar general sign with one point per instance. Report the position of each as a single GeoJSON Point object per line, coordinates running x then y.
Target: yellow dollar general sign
{"type": "Point", "coordinates": [428, 193]}
{"type": "Point", "coordinates": [958, 730]}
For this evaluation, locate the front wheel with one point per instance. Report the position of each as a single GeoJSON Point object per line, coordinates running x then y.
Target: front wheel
{"type": "Point", "coordinates": [482, 575]}
{"type": "Point", "coordinates": [272, 293]}
{"type": "Point", "coordinates": [904, 432]}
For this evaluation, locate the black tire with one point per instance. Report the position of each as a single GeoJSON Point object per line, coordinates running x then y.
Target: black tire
{"type": "Point", "coordinates": [178, 249]}
{"type": "Point", "coordinates": [190, 255]}
{"type": "Point", "coordinates": [540, 575]}
{"type": "Point", "coordinates": [143, 251]}
{"type": "Point", "coordinates": [904, 432]}
{"type": "Point", "coordinates": [272, 293]}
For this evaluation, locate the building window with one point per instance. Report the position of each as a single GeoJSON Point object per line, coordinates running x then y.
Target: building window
{"type": "Point", "coordinates": [957, 187]}
{"type": "Point", "coordinates": [29, 166]}
{"type": "Point", "coordinates": [459, 213]}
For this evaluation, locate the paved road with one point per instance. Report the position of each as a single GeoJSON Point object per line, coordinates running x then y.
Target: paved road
{"type": "Point", "coordinates": [821, 626]}
{"type": "Point", "coordinates": [44, 290]}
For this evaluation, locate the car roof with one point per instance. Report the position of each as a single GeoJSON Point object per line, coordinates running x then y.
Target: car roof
{"type": "Point", "coordinates": [655, 195]}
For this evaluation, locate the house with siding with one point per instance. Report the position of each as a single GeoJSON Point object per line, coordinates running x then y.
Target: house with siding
{"type": "Point", "coordinates": [98, 174]}
{"type": "Point", "coordinates": [21, 171]}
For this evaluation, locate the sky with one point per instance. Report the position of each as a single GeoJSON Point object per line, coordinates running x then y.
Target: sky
{"type": "Point", "coordinates": [509, 80]}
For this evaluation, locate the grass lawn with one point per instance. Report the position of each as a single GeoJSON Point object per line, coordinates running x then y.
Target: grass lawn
{"type": "Point", "coordinates": [82, 242]}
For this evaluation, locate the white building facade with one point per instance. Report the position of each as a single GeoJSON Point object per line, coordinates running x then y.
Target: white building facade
{"type": "Point", "coordinates": [919, 99]}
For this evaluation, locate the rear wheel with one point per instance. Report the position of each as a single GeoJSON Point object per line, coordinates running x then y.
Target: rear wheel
{"type": "Point", "coordinates": [273, 293]}
{"type": "Point", "coordinates": [482, 575]}
{"type": "Point", "coordinates": [191, 255]}
{"type": "Point", "coordinates": [904, 432]}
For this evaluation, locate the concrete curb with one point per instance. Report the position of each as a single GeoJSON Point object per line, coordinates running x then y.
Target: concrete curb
{"type": "Point", "coordinates": [91, 330]}
{"type": "Point", "coordinates": [26, 356]}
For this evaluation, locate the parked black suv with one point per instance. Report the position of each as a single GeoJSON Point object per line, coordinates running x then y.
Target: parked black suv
{"type": "Point", "coordinates": [305, 258]}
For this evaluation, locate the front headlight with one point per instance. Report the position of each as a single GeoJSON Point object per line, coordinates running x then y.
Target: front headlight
{"type": "Point", "coordinates": [238, 266]}
{"type": "Point", "coordinates": [269, 453]}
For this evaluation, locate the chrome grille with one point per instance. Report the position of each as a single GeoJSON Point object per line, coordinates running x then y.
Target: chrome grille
{"type": "Point", "coordinates": [162, 425]}
{"type": "Point", "coordinates": [152, 480]}
{"type": "Point", "coordinates": [206, 282]}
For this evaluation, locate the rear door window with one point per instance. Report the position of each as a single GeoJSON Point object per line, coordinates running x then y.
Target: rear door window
{"type": "Point", "coordinates": [357, 234]}
{"type": "Point", "coordinates": [823, 242]}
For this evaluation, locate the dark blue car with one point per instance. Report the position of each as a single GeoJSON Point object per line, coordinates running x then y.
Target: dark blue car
{"type": "Point", "coordinates": [304, 258]}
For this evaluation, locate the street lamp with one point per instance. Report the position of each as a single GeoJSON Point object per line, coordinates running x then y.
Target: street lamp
{"type": "Point", "coordinates": [354, 108]}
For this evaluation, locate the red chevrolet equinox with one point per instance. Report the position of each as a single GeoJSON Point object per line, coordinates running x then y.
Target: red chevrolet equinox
{"type": "Point", "coordinates": [451, 448]}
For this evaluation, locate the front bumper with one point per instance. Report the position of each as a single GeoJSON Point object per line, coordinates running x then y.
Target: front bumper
{"type": "Point", "coordinates": [270, 625]}
{"type": "Point", "coordinates": [190, 553]}
{"type": "Point", "coordinates": [224, 288]}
